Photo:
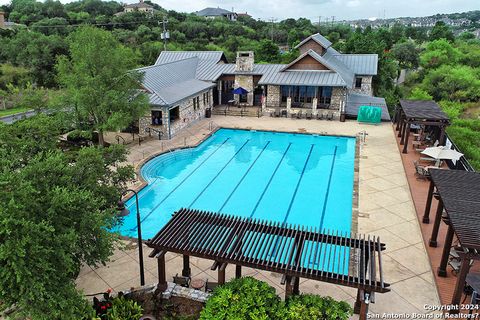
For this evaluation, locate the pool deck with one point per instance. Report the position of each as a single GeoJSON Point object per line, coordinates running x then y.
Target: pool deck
{"type": "Point", "coordinates": [386, 209]}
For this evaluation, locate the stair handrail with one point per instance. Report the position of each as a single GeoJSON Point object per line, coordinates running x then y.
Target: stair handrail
{"type": "Point", "coordinates": [118, 137]}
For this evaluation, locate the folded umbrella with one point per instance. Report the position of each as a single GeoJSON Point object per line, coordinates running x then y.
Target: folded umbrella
{"type": "Point", "coordinates": [442, 153]}
{"type": "Point", "coordinates": [240, 90]}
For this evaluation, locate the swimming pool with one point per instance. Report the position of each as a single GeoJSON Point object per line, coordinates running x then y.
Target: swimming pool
{"type": "Point", "coordinates": [292, 178]}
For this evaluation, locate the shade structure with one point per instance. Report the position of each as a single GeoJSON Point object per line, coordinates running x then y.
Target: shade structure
{"type": "Point", "coordinates": [442, 153]}
{"type": "Point", "coordinates": [240, 90]}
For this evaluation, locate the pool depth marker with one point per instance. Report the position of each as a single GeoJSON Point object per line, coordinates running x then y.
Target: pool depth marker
{"type": "Point", "coordinates": [243, 177]}
{"type": "Point", "coordinates": [270, 180]}
{"type": "Point", "coordinates": [181, 182]}
{"type": "Point", "coordinates": [218, 173]}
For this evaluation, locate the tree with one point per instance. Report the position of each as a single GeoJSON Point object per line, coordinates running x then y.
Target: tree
{"type": "Point", "coordinates": [57, 209]}
{"type": "Point", "coordinates": [439, 52]}
{"type": "Point", "coordinates": [407, 54]}
{"type": "Point", "coordinates": [267, 51]}
{"type": "Point", "coordinates": [441, 31]}
{"type": "Point", "coordinates": [420, 94]}
{"type": "Point", "coordinates": [99, 83]}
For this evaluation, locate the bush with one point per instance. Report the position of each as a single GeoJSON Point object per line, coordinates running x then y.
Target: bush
{"type": "Point", "coordinates": [244, 298]}
{"type": "Point", "coordinates": [248, 298]}
{"type": "Point", "coordinates": [309, 306]}
{"type": "Point", "coordinates": [79, 135]}
{"type": "Point", "coordinates": [124, 309]}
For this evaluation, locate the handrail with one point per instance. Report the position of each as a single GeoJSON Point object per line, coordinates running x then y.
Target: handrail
{"type": "Point", "coordinates": [212, 125]}
{"type": "Point", "coordinates": [462, 163]}
{"type": "Point", "coordinates": [118, 137]}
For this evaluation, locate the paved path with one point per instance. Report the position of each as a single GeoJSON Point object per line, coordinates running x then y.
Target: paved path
{"type": "Point", "coordinates": [385, 209]}
{"type": "Point", "coordinates": [18, 116]}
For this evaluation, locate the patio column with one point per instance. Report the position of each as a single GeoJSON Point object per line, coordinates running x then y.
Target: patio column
{"type": "Point", "coordinates": [442, 270]}
{"type": "Point", "coordinates": [459, 286]}
{"type": "Point", "coordinates": [314, 106]}
{"type": "Point", "coordinates": [442, 139]}
{"type": "Point", "coordinates": [436, 224]}
{"type": "Point", "coordinates": [400, 127]}
{"type": "Point", "coordinates": [288, 287]}
{"type": "Point", "coordinates": [426, 214]}
{"type": "Point", "coordinates": [220, 92]}
{"type": "Point", "coordinates": [361, 304]}
{"type": "Point", "coordinates": [407, 133]}
{"type": "Point", "coordinates": [289, 106]}
{"type": "Point", "coordinates": [221, 273]}
{"type": "Point", "coordinates": [296, 286]}
{"type": "Point", "coordinates": [162, 278]}
{"type": "Point", "coordinates": [238, 271]}
{"type": "Point", "coordinates": [186, 266]}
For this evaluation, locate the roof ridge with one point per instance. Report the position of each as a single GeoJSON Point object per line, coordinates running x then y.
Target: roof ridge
{"type": "Point", "coordinates": [170, 62]}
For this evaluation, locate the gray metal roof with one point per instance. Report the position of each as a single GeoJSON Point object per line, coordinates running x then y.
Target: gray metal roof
{"type": "Point", "coordinates": [303, 78]}
{"type": "Point", "coordinates": [170, 56]}
{"type": "Point", "coordinates": [211, 71]}
{"type": "Point", "coordinates": [318, 38]}
{"type": "Point", "coordinates": [213, 12]}
{"type": "Point", "coordinates": [355, 100]}
{"type": "Point", "coordinates": [140, 4]}
{"type": "Point", "coordinates": [360, 64]}
{"type": "Point", "coordinates": [171, 82]}
{"type": "Point", "coordinates": [338, 66]}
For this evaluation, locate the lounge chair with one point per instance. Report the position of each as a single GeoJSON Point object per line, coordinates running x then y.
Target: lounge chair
{"type": "Point", "coordinates": [330, 116]}
{"type": "Point", "coordinates": [210, 286]}
{"type": "Point", "coordinates": [277, 113]}
{"type": "Point", "coordinates": [181, 280]}
{"type": "Point", "coordinates": [421, 172]}
{"type": "Point", "coordinates": [320, 116]}
{"type": "Point", "coordinates": [299, 114]}
{"type": "Point", "coordinates": [308, 115]}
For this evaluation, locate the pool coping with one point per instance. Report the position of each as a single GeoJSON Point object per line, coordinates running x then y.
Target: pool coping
{"type": "Point", "coordinates": [356, 166]}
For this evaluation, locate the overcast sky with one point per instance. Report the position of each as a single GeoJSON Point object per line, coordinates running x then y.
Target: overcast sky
{"type": "Point", "coordinates": [311, 9]}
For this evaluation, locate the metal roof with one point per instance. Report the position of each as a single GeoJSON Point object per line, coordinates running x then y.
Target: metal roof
{"type": "Point", "coordinates": [211, 71]}
{"type": "Point", "coordinates": [303, 78]}
{"type": "Point", "coordinates": [212, 12]}
{"type": "Point", "coordinates": [171, 82]}
{"type": "Point", "coordinates": [423, 110]}
{"type": "Point", "coordinates": [318, 38]}
{"type": "Point", "coordinates": [360, 64]}
{"type": "Point", "coordinates": [355, 100]}
{"type": "Point", "coordinates": [140, 4]}
{"type": "Point", "coordinates": [170, 56]}
{"type": "Point", "coordinates": [338, 66]}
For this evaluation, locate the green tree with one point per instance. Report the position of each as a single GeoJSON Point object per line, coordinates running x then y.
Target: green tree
{"type": "Point", "coordinates": [99, 83]}
{"type": "Point", "coordinates": [267, 51]}
{"type": "Point", "coordinates": [441, 31]}
{"type": "Point", "coordinates": [49, 229]}
{"type": "Point", "coordinates": [407, 54]}
{"type": "Point", "coordinates": [439, 52]}
{"type": "Point", "coordinates": [420, 94]}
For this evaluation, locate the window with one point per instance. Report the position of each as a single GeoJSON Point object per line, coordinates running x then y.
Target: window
{"type": "Point", "coordinates": [174, 114]}
{"type": "Point", "coordinates": [243, 98]}
{"type": "Point", "coordinates": [156, 118]}
{"type": "Point", "coordinates": [310, 94]}
{"type": "Point", "coordinates": [196, 103]}
{"type": "Point", "coordinates": [358, 82]}
{"type": "Point", "coordinates": [285, 92]}
{"type": "Point", "coordinates": [325, 95]}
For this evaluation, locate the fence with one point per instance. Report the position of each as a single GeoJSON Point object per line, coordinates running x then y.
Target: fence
{"type": "Point", "coordinates": [461, 164]}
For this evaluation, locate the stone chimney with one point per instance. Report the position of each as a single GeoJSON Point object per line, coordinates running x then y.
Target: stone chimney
{"type": "Point", "coordinates": [245, 61]}
{"type": "Point", "coordinates": [2, 20]}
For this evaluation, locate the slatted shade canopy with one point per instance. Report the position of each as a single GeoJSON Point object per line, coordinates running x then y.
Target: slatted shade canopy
{"type": "Point", "coordinates": [292, 250]}
{"type": "Point", "coordinates": [420, 112]}
{"type": "Point", "coordinates": [458, 193]}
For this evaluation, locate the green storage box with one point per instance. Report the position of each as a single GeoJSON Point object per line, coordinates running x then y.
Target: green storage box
{"type": "Point", "coordinates": [369, 114]}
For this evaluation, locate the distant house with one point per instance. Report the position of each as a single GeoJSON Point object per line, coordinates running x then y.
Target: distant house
{"type": "Point", "coordinates": [181, 85]}
{"type": "Point", "coordinates": [211, 13]}
{"type": "Point", "coordinates": [244, 15]}
{"type": "Point", "coordinates": [7, 24]}
{"type": "Point", "coordinates": [137, 7]}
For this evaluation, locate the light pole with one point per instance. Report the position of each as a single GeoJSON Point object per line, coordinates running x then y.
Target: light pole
{"type": "Point", "coordinates": [125, 212]}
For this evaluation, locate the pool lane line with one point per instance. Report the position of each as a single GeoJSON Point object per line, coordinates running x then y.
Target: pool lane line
{"type": "Point", "coordinates": [298, 184]}
{"type": "Point", "coordinates": [218, 173]}
{"type": "Point", "coordinates": [270, 180]}
{"type": "Point", "coordinates": [181, 182]}
{"type": "Point", "coordinates": [244, 176]}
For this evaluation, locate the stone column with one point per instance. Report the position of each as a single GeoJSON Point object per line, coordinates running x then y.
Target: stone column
{"type": "Point", "coordinates": [314, 106]}
{"type": "Point", "coordinates": [220, 92]}
{"type": "Point", "coordinates": [289, 106]}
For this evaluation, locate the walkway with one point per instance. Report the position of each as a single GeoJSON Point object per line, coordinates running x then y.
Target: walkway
{"type": "Point", "coordinates": [385, 209]}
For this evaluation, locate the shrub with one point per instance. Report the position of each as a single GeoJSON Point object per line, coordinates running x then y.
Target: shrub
{"type": "Point", "coordinates": [124, 309]}
{"type": "Point", "coordinates": [244, 298]}
{"type": "Point", "coordinates": [79, 135]}
{"type": "Point", "coordinates": [308, 306]}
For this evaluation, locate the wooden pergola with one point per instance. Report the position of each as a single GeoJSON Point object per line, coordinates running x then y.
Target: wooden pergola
{"type": "Point", "coordinates": [420, 112]}
{"type": "Point", "coordinates": [293, 251]}
{"type": "Point", "coordinates": [458, 194]}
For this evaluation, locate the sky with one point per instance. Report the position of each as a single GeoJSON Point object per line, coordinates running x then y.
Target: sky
{"type": "Point", "coordinates": [312, 9]}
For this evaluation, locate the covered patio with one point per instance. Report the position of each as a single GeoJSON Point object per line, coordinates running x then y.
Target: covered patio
{"type": "Point", "coordinates": [458, 194]}
{"type": "Point", "coordinates": [425, 115]}
{"type": "Point", "coordinates": [294, 251]}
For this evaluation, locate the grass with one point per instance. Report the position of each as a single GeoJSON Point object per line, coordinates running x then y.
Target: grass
{"type": "Point", "coordinates": [9, 112]}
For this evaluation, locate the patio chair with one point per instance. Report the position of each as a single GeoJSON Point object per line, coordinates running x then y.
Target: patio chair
{"type": "Point", "coordinates": [210, 286]}
{"type": "Point", "coordinates": [182, 281]}
{"type": "Point", "coordinates": [299, 114]}
{"type": "Point", "coordinates": [421, 172]}
{"type": "Point", "coordinates": [277, 113]}
{"type": "Point", "coordinates": [308, 115]}
{"type": "Point", "coordinates": [320, 116]}
{"type": "Point", "coordinates": [330, 116]}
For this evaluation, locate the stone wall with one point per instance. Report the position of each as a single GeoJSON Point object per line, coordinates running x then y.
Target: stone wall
{"type": "Point", "coordinates": [245, 61]}
{"type": "Point", "coordinates": [366, 86]}
{"type": "Point", "coordinates": [187, 116]}
{"type": "Point", "coordinates": [246, 82]}
{"type": "Point", "coordinates": [338, 95]}
{"type": "Point", "coordinates": [273, 96]}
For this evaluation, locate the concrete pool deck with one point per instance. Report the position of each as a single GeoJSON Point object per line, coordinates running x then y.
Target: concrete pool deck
{"type": "Point", "coordinates": [385, 209]}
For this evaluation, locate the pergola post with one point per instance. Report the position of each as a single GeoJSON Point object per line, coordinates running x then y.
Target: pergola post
{"type": "Point", "coordinates": [428, 206]}
{"type": "Point", "coordinates": [288, 287]}
{"type": "Point", "coordinates": [238, 271]}
{"type": "Point", "coordinates": [402, 134]}
{"type": "Point", "coordinates": [400, 129]}
{"type": "Point", "coordinates": [296, 286]}
{"type": "Point", "coordinates": [162, 278]}
{"type": "Point", "coordinates": [459, 286]}
{"type": "Point", "coordinates": [361, 304]}
{"type": "Point", "coordinates": [442, 269]}
{"type": "Point", "coordinates": [186, 272]}
{"type": "Point", "coordinates": [436, 224]}
{"type": "Point", "coordinates": [441, 139]}
{"type": "Point", "coordinates": [406, 135]}
{"type": "Point", "coordinates": [221, 273]}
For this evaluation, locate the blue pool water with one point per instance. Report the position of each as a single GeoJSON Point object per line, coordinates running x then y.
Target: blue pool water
{"type": "Point", "coordinates": [294, 178]}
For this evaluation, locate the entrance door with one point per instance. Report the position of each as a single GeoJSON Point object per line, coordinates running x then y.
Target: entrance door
{"type": "Point", "coordinates": [257, 96]}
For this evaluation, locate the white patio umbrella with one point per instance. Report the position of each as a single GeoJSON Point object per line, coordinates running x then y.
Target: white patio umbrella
{"type": "Point", "coordinates": [442, 153]}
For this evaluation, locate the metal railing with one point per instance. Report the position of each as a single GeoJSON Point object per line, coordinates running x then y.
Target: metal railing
{"type": "Point", "coordinates": [461, 164]}
{"type": "Point", "coordinates": [118, 138]}
{"type": "Point", "coordinates": [212, 125]}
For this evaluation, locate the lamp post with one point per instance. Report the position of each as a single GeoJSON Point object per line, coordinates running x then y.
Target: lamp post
{"type": "Point", "coordinates": [125, 212]}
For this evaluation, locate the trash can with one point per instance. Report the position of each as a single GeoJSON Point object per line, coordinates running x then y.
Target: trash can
{"type": "Point", "coordinates": [208, 113]}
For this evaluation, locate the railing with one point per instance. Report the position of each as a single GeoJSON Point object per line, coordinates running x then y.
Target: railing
{"type": "Point", "coordinates": [461, 164]}
{"type": "Point", "coordinates": [118, 138]}
{"type": "Point", "coordinates": [212, 125]}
